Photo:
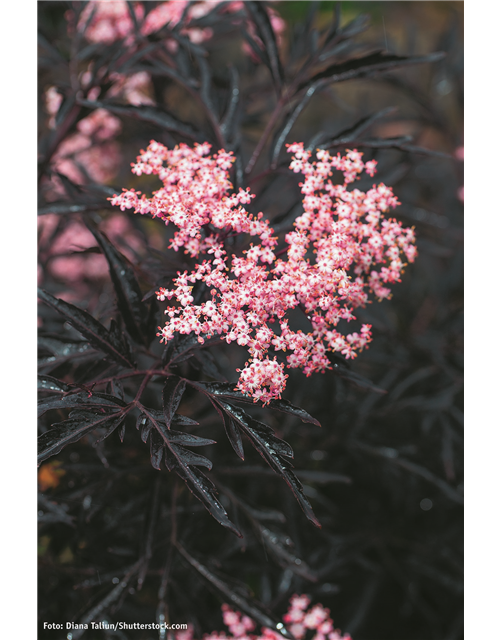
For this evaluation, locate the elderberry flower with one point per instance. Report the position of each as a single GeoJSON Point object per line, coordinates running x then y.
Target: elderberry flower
{"type": "Point", "coordinates": [299, 619]}
{"type": "Point", "coordinates": [341, 251]}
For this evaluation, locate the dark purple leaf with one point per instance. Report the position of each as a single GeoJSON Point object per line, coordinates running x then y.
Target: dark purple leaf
{"type": "Point", "coordinates": [234, 436]}
{"type": "Point", "coordinates": [157, 447]}
{"type": "Point", "coordinates": [260, 17]}
{"type": "Point", "coordinates": [129, 297]}
{"type": "Point", "coordinates": [353, 28]}
{"type": "Point", "coordinates": [259, 54]}
{"type": "Point", "coordinates": [190, 457]}
{"type": "Point", "coordinates": [79, 424]}
{"type": "Point", "coordinates": [48, 383]}
{"type": "Point", "coordinates": [203, 489]}
{"type": "Point", "coordinates": [353, 132]}
{"type": "Point", "coordinates": [368, 65]}
{"type": "Point", "coordinates": [188, 439]}
{"type": "Point", "coordinates": [80, 399]}
{"type": "Point", "coordinates": [185, 463]}
{"type": "Point", "coordinates": [238, 597]}
{"type": "Point", "coordinates": [229, 119]}
{"type": "Point", "coordinates": [98, 336]}
{"type": "Point", "coordinates": [62, 348]}
{"type": "Point", "coordinates": [145, 425]}
{"type": "Point", "coordinates": [172, 395]}
{"type": "Point", "coordinates": [227, 390]}
{"type": "Point", "coordinates": [231, 429]}
{"type": "Point", "coordinates": [272, 449]}
{"type": "Point", "coordinates": [292, 118]}
{"type": "Point", "coordinates": [177, 420]}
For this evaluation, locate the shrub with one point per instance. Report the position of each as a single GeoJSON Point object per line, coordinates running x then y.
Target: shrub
{"type": "Point", "coordinates": [265, 251]}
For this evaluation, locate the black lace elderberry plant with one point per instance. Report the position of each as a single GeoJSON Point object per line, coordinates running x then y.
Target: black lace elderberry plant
{"type": "Point", "coordinates": [227, 500]}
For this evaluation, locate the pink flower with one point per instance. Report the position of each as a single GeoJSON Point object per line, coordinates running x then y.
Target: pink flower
{"type": "Point", "coordinates": [239, 625]}
{"type": "Point", "coordinates": [357, 253]}
{"type": "Point", "coordinates": [111, 20]}
{"type": "Point", "coordinates": [53, 100]}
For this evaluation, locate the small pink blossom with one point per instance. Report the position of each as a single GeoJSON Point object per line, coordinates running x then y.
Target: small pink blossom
{"type": "Point", "coordinates": [240, 625]}
{"type": "Point", "coordinates": [109, 20]}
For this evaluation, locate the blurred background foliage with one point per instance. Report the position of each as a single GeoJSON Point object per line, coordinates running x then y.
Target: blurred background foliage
{"type": "Point", "coordinates": [385, 472]}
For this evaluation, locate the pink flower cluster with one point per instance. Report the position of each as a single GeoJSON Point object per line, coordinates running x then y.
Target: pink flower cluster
{"type": "Point", "coordinates": [340, 250]}
{"type": "Point", "coordinates": [299, 619]}
{"type": "Point", "coordinates": [111, 20]}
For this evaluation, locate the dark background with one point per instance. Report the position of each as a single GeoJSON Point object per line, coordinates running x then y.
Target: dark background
{"type": "Point", "coordinates": [389, 474]}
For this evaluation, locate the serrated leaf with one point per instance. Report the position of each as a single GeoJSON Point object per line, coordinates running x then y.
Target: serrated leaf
{"type": "Point", "coordinates": [353, 132]}
{"type": "Point", "coordinates": [265, 31]}
{"type": "Point", "coordinates": [188, 439]}
{"type": "Point", "coordinates": [48, 383]}
{"type": "Point", "coordinates": [92, 329]}
{"type": "Point", "coordinates": [227, 390]}
{"type": "Point", "coordinates": [238, 597]}
{"type": "Point", "coordinates": [62, 350]}
{"type": "Point", "coordinates": [271, 449]}
{"type": "Point", "coordinates": [145, 425]}
{"type": "Point", "coordinates": [61, 347]}
{"type": "Point", "coordinates": [183, 456]}
{"type": "Point", "coordinates": [178, 420]}
{"type": "Point", "coordinates": [368, 65]}
{"type": "Point", "coordinates": [234, 436]}
{"type": "Point", "coordinates": [176, 437]}
{"type": "Point", "coordinates": [78, 425]}
{"type": "Point", "coordinates": [190, 457]}
{"type": "Point", "coordinates": [231, 429]}
{"type": "Point", "coordinates": [201, 487]}
{"type": "Point", "coordinates": [185, 463]}
{"type": "Point", "coordinates": [80, 399]}
{"type": "Point", "coordinates": [157, 447]}
{"type": "Point", "coordinates": [172, 395]}
{"type": "Point", "coordinates": [129, 297]}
